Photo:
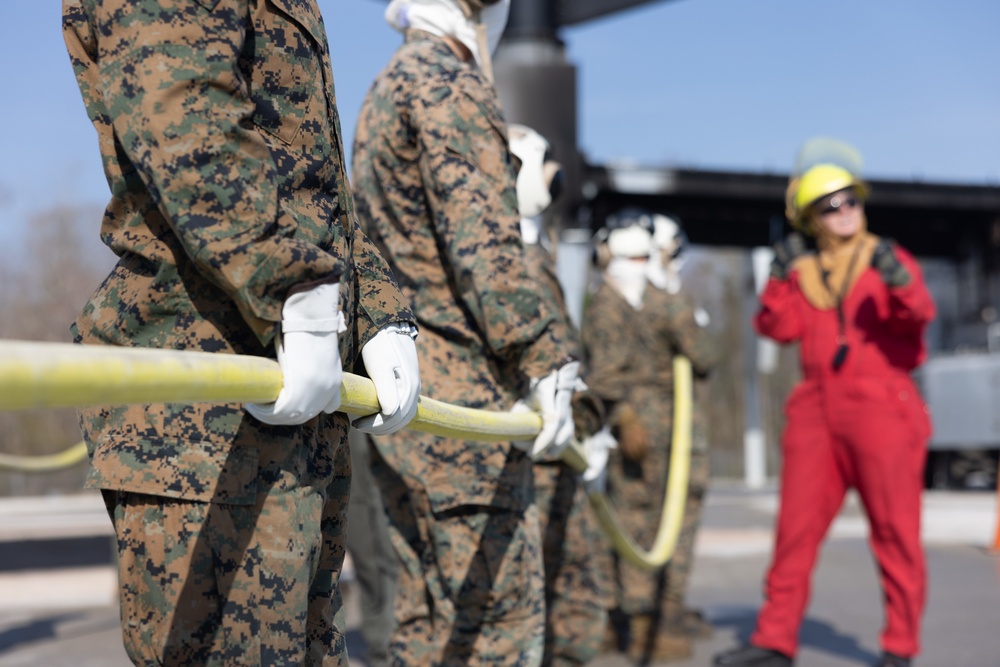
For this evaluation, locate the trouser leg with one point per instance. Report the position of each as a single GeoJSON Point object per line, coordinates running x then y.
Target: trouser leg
{"type": "Point", "coordinates": [217, 584]}
{"type": "Point", "coordinates": [574, 593]}
{"type": "Point", "coordinates": [636, 490]}
{"type": "Point", "coordinates": [678, 570]}
{"type": "Point", "coordinates": [470, 588]}
{"type": "Point", "coordinates": [812, 491]}
{"type": "Point", "coordinates": [210, 584]}
{"type": "Point", "coordinates": [889, 468]}
{"type": "Point", "coordinates": [371, 551]}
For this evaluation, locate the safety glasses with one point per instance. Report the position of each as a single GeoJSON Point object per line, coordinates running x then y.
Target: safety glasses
{"type": "Point", "coordinates": [837, 203]}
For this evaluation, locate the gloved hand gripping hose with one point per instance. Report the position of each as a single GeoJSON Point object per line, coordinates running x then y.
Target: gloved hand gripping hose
{"type": "Point", "coordinates": [50, 375]}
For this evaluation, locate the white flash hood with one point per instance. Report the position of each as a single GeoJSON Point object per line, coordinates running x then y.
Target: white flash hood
{"type": "Point", "coordinates": [445, 18]}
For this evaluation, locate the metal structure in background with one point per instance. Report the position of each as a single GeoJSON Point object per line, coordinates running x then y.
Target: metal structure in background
{"type": "Point", "coordinates": [729, 208]}
{"type": "Point", "coordinates": [538, 88]}
{"type": "Point", "coordinates": [571, 12]}
{"type": "Point", "coordinates": [537, 84]}
{"type": "Point", "coordinates": [953, 228]}
{"type": "Point", "coordinates": [952, 223]}
{"type": "Point", "coordinates": [959, 223]}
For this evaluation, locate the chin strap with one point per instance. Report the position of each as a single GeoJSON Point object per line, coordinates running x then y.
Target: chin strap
{"type": "Point", "coordinates": [475, 14]}
{"type": "Point", "coordinates": [485, 59]}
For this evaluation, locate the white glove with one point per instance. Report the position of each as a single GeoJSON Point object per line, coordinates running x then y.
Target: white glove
{"type": "Point", "coordinates": [551, 396]}
{"type": "Point", "coordinates": [391, 361]}
{"type": "Point", "coordinates": [309, 356]}
{"type": "Point", "coordinates": [665, 276]}
{"type": "Point", "coordinates": [597, 448]}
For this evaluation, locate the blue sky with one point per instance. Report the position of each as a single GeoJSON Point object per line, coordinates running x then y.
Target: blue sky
{"type": "Point", "coordinates": [714, 84]}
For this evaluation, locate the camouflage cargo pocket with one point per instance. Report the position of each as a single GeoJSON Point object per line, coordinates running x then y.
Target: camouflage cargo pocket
{"type": "Point", "coordinates": [490, 563]}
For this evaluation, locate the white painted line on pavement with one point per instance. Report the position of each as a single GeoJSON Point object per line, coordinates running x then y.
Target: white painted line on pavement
{"type": "Point", "coordinates": [71, 588]}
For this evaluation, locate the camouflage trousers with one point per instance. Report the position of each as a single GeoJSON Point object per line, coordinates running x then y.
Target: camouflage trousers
{"type": "Point", "coordinates": [469, 590]}
{"type": "Point", "coordinates": [637, 490]}
{"type": "Point", "coordinates": [575, 613]}
{"type": "Point", "coordinates": [678, 571]}
{"type": "Point", "coordinates": [371, 552]}
{"type": "Point", "coordinates": [214, 584]}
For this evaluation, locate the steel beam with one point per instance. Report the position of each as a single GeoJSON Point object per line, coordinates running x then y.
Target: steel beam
{"type": "Point", "coordinates": [571, 12]}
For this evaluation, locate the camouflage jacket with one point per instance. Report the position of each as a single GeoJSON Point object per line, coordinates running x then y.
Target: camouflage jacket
{"type": "Point", "coordinates": [540, 265]}
{"type": "Point", "coordinates": [588, 409]}
{"type": "Point", "coordinates": [630, 352]}
{"type": "Point", "coordinates": [434, 186]}
{"type": "Point", "coordinates": [673, 316]}
{"type": "Point", "coordinates": [221, 144]}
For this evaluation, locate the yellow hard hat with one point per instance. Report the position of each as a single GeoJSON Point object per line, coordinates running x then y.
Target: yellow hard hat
{"type": "Point", "coordinates": [819, 181]}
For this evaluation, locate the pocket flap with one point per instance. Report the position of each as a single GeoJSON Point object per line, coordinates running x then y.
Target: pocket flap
{"type": "Point", "coordinates": [306, 14]}
{"type": "Point", "coordinates": [173, 468]}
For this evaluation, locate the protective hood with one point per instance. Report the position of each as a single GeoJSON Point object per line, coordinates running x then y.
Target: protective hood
{"type": "Point", "coordinates": [629, 242]}
{"type": "Point", "coordinates": [665, 276]}
{"type": "Point", "coordinates": [666, 260]}
{"type": "Point", "coordinates": [628, 278]}
{"type": "Point", "coordinates": [445, 18]}
{"type": "Point", "coordinates": [539, 179]}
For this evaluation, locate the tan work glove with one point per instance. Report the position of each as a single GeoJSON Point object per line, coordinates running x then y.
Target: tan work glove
{"type": "Point", "coordinates": [633, 440]}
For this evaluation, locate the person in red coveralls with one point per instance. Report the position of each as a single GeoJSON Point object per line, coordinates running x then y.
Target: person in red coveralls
{"type": "Point", "coordinates": [858, 306]}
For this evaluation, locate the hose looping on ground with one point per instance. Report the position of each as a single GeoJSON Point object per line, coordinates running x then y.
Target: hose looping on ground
{"type": "Point", "coordinates": [56, 375]}
{"type": "Point", "coordinates": [46, 463]}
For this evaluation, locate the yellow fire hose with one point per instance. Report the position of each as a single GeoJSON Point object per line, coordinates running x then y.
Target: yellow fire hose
{"type": "Point", "coordinates": [675, 498]}
{"type": "Point", "coordinates": [64, 459]}
{"type": "Point", "coordinates": [54, 375]}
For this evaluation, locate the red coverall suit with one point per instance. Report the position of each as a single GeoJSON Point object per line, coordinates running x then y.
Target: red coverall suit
{"type": "Point", "coordinates": [863, 426]}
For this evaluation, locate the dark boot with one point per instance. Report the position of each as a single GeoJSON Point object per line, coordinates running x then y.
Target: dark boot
{"type": "Point", "coordinates": [617, 633]}
{"type": "Point", "coordinates": [610, 642]}
{"type": "Point", "coordinates": [752, 656]}
{"type": "Point", "coordinates": [892, 660]}
{"type": "Point", "coordinates": [694, 623]}
{"type": "Point", "coordinates": [654, 642]}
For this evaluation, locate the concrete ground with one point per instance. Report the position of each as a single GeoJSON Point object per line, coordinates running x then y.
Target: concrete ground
{"type": "Point", "coordinates": [57, 600]}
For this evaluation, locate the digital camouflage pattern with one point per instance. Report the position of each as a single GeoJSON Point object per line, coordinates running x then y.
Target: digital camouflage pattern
{"type": "Point", "coordinates": [469, 589]}
{"type": "Point", "coordinates": [206, 583]}
{"type": "Point", "coordinates": [630, 358]}
{"type": "Point", "coordinates": [370, 548]}
{"type": "Point", "coordinates": [575, 588]}
{"type": "Point", "coordinates": [218, 129]}
{"type": "Point", "coordinates": [434, 186]}
{"type": "Point", "coordinates": [678, 571]}
{"type": "Point", "coordinates": [222, 150]}
{"type": "Point", "coordinates": [588, 409]}
{"type": "Point", "coordinates": [675, 314]}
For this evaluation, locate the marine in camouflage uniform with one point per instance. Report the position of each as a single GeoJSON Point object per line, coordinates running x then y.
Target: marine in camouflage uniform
{"type": "Point", "coordinates": [575, 587]}
{"type": "Point", "coordinates": [434, 185]}
{"type": "Point", "coordinates": [221, 144]}
{"type": "Point", "coordinates": [676, 313]}
{"type": "Point", "coordinates": [630, 359]}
